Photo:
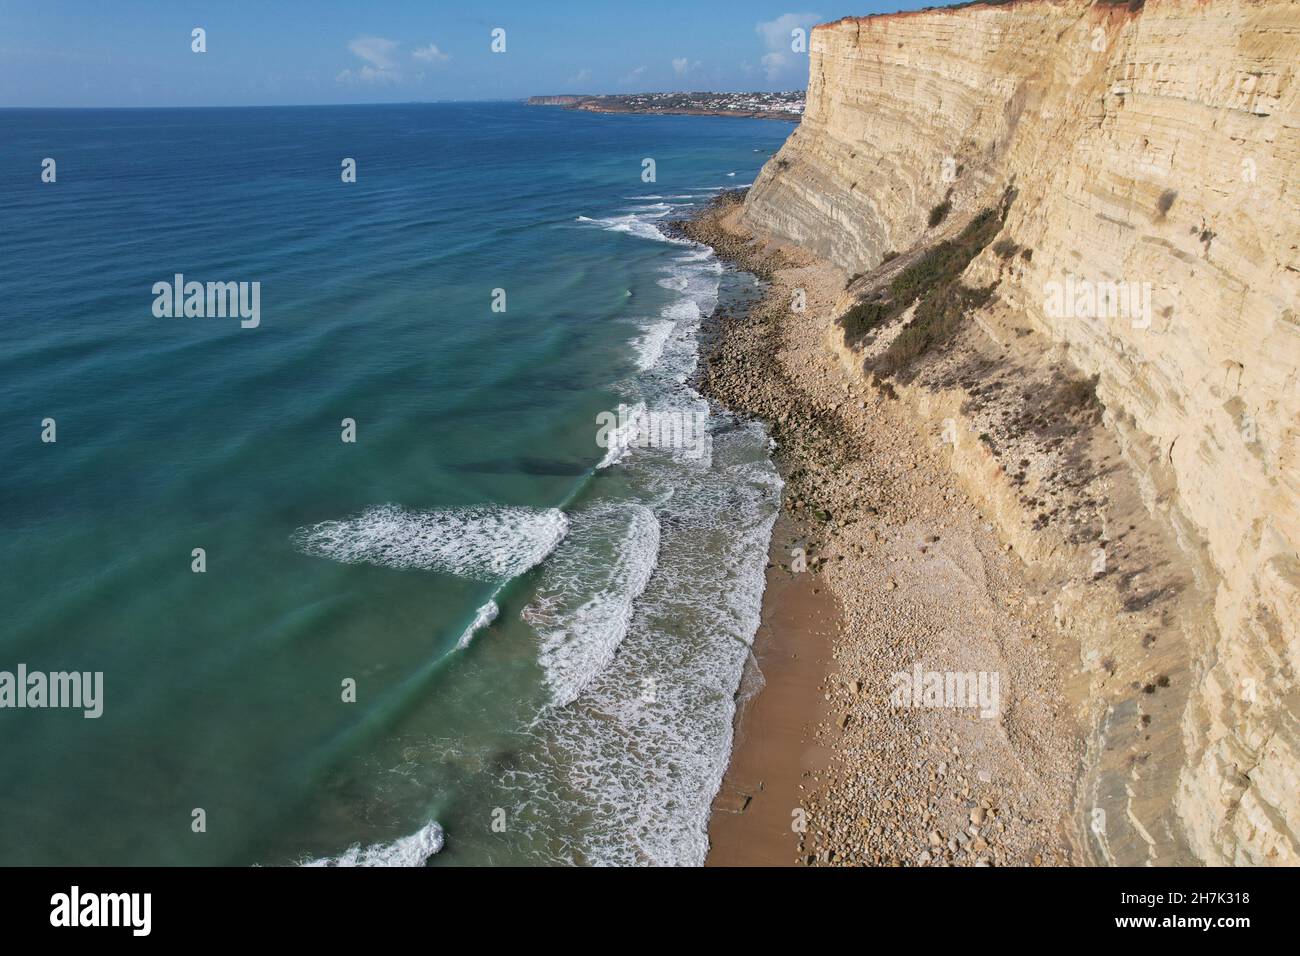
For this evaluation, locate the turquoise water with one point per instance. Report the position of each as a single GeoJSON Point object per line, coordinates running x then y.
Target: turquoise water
{"type": "Point", "coordinates": [545, 635]}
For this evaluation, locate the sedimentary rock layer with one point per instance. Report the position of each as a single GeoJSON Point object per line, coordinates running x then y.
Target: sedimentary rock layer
{"type": "Point", "coordinates": [1154, 151]}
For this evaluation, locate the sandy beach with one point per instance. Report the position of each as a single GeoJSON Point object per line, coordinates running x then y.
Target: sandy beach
{"type": "Point", "coordinates": [776, 748]}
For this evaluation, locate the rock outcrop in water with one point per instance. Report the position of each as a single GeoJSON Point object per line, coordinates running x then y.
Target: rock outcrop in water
{"type": "Point", "coordinates": [1153, 243]}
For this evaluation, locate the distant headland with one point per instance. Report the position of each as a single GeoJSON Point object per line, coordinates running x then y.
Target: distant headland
{"type": "Point", "coordinates": [783, 106]}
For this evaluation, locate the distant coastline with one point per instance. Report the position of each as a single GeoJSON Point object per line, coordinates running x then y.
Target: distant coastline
{"type": "Point", "coordinates": [786, 106]}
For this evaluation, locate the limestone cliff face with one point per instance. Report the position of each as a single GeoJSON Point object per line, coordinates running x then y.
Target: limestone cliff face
{"type": "Point", "coordinates": [1155, 148]}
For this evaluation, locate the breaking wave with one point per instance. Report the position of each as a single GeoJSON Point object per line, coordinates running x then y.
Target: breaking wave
{"type": "Point", "coordinates": [413, 850]}
{"type": "Point", "coordinates": [485, 544]}
{"type": "Point", "coordinates": [584, 605]}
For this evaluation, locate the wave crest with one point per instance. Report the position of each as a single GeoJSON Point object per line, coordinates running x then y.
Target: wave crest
{"type": "Point", "coordinates": [484, 544]}
{"type": "Point", "coordinates": [413, 850]}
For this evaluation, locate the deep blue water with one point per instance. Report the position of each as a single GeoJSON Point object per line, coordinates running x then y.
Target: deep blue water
{"type": "Point", "coordinates": [590, 720]}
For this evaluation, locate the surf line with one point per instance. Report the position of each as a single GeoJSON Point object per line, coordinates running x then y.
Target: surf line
{"type": "Point", "coordinates": [490, 610]}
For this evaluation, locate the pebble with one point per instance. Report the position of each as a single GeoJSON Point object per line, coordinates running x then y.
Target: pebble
{"type": "Point", "coordinates": [877, 747]}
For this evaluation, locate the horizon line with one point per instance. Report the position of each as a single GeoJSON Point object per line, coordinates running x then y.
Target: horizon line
{"type": "Point", "coordinates": [506, 99]}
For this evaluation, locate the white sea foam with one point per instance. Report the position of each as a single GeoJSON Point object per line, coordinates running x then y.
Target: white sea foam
{"type": "Point", "coordinates": [645, 675]}
{"type": "Point", "coordinates": [700, 254]}
{"type": "Point", "coordinates": [485, 616]}
{"type": "Point", "coordinates": [486, 543]}
{"type": "Point", "coordinates": [634, 225]}
{"type": "Point", "coordinates": [619, 442]}
{"type": "Point", "coordinates": [685, 311]}
{"type": "Point", "coordinates": [649, 734]}
{"type": "Point", "coordinates": [584, 605]}
{"type": "Point", "coordinates": [413, 850]}
{"type": "Point", "coordinates": [637, 224]}
{"type": "Point", "coordinates": [645, 741]}
{"type": "Point", "coordinates": [650, 344]}
{"type": "Point", "coordinates": [696, 279]}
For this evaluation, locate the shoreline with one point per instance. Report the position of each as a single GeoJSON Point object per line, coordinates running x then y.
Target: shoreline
{"type": "Point", "coordinates": [615, 104]}
{"type": "Point", "coordinates": [780, 701]}
{"type": "Point", "coordinates": [734, 114]}
{"type": "Point", "coordinates": [776, 749]}
{"type": "Point", "coordinates": [911, 576]}
{"type": "Point", "coordinates": [776, 721]}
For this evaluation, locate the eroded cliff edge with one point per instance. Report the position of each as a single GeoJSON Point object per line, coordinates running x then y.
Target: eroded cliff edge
{"type": "Point", "coordinates": [1152, 152]}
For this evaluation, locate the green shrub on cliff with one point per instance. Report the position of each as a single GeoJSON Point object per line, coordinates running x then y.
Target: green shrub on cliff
{"type": "Point", "coordinates": [864, 317]}
{"type": "Point", "coordinates": [947, 259]}
{"type": "Point", "coordinates": [937, 319]}
{"type": "Point", "coordinates": [939, 213]}
{"type": "Point", "coordinates": [933, 282]}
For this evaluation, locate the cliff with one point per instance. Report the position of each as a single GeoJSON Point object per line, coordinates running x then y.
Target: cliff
{"type": "Point", "coordinates": [1152, 151]}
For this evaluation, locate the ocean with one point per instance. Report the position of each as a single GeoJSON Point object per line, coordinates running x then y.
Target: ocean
{"type": "Point", "coordinates": [472, 634]}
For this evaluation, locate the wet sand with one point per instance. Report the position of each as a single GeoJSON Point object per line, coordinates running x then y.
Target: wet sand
{"type": "Point", "coordinates": [754, 814]}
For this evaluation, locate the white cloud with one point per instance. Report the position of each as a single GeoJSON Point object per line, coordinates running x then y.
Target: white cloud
{"type": "Point", "coordinates": [780, 61]}
{"type": "Point", "coordinates": [430, 54]}
{"type": "Point", "coordinates": [633, 76]}
{"type": "Point", "coordinates": [379, 69]}
{"type": "Point", "coordinates": [582, 76]}
{"type": "Point", "coordinates": [376, 51]}
{"type": "Point", "coordinates": [776, 33]}
{"type": "Point", "coordinates": [682, 66]}
{"type": "Point", "coordinates": [775, 64]}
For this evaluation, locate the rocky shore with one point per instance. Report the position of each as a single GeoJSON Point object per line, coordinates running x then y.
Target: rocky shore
{"type": "Point", "coordinates": [923, 586]}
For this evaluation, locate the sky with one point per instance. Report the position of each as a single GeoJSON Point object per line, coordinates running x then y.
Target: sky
{"type": "Point", "coordinates": [132, 53]}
